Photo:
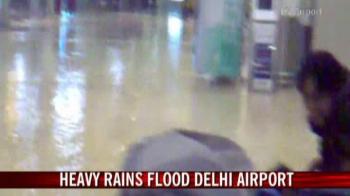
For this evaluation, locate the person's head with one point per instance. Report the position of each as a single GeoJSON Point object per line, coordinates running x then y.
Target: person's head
{"type": "Point", "coordinates": [319, 80]}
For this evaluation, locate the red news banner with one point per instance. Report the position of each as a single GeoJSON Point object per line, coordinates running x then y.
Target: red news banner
{"type": "Point", "coordinates": [163, 180]}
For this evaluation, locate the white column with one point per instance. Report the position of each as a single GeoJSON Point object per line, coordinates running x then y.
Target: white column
{"type": "Point", "coordinates": [331, 29]}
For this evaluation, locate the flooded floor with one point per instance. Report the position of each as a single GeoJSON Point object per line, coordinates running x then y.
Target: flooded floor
{"type": "Point", "coordinates": [77, 90]}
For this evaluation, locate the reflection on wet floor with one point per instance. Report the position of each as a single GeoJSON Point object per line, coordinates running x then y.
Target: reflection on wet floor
{"type": "Point", "coordinates": [78, 89]}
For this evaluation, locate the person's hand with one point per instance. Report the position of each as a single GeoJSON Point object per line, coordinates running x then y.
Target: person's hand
{"type": "Point", "coordinates": [316, 165]}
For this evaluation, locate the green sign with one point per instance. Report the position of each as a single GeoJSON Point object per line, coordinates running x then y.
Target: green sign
{"type": "Point", "coordinates": [222, 42]}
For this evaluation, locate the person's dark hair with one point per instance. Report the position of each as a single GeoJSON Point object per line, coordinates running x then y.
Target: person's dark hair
{"type": "Point", "coordinates": [339, 121]}
{"type": "Point", "coordinates": [340, 114]}
{"type": "Point", "coordinates": [325, 70]}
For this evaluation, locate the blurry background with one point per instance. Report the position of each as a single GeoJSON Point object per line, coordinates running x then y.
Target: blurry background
{"type": "Point", "coordinates": [81, 80]}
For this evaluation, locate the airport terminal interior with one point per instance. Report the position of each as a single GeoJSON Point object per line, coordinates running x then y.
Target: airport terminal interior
{"type": "Point", "coordinates": [81, 81]}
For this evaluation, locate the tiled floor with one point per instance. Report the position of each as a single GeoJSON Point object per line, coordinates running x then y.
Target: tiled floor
{"type": "Point", "coordinates": [76, 91]}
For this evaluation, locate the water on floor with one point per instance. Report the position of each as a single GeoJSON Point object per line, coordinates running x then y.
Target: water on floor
{"type": "Point", "coordinates": [77, 90]}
